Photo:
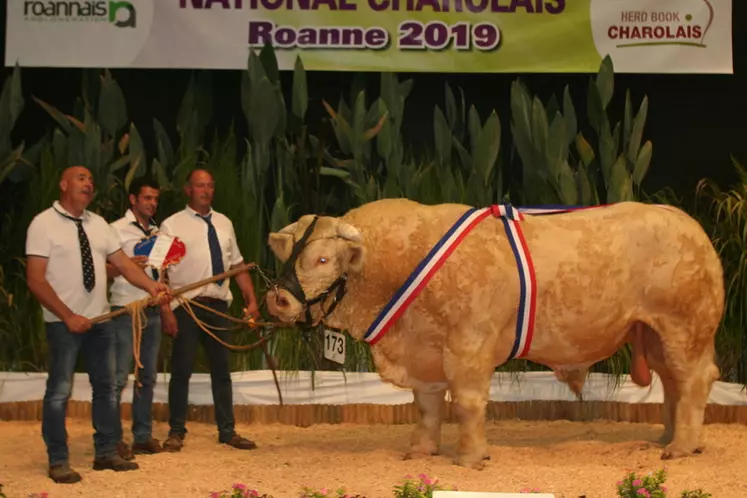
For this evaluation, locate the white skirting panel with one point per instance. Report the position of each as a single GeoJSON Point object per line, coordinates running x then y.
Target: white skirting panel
{"type": "Point", "coordinates": [258, 388]}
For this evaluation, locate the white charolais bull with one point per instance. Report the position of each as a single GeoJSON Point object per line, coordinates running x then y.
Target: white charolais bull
{"type": "Point", "coordinates": [605, 276]}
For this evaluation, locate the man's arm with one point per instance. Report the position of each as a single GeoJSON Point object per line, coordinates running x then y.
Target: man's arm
{"type": "Point", "coordinates": [36, 268]}
{"type": "Point", "coordinates": [244, 281]}
{"type": "Point", "coordinates": [134, 274]}
{"type": "Point", "coordinates": [168, 319]}
{"type": "Point", "coordinates": [111, 271]}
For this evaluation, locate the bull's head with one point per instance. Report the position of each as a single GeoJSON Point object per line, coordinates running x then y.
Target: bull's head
{"type": "Point", "coordinates": [318, 253]}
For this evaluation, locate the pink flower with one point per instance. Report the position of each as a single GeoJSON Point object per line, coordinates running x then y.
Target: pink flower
{"type": "Point", "coordinates": [664, 489]}
{"type": "Point", "coordinates": [644, 492]}
{"type": "Point", "coordinates": [637, 483]}
{"type": "Point", "coordinates": [216, 494]}
{"type": "Point", "coordinates": [324, 491]}
{"type": "Point", "coordinates": [239, 486]}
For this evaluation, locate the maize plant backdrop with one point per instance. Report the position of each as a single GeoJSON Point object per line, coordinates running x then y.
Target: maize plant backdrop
{"type": "Point", "coordinates": [281, 170]}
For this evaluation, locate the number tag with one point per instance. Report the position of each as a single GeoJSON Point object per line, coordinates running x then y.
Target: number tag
{"type": "Point", "coordinates": [334, 346]}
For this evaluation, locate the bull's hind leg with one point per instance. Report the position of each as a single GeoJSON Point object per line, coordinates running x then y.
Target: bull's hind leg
{"type": "Point", "coordinates": [650, 345]}
{"type": "Point", "coordinates": [693, 389]}
{"type": "Point", "coordinates": [426, 439]}
{"type": "Point", "coordinates": [687, 377]}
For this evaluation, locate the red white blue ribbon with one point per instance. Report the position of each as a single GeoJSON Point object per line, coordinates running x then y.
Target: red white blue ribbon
{"type": "Point", "coordinates": [419, 278]}
{"type": "Point", "coordinates": [161, 250]}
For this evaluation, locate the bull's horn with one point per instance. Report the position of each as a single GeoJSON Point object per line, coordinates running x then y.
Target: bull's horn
{"type": "Point", "coordinates": [348, 232]}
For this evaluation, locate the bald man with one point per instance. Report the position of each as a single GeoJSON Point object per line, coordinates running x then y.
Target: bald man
{"type": "Point", "coordinates": [212, 248]}
{"type": "Point", "coordinates": [67, 248]}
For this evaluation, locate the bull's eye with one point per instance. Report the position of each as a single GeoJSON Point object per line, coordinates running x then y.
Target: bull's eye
{"type": "Point", "coordinates": [322, 260]}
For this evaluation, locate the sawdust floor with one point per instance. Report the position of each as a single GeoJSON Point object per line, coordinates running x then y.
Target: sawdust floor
{"type": "Point", "coordinates": [569, 459]}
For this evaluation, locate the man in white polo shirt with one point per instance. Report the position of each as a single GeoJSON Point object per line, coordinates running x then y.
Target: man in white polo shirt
{"type": "Point", "coordinates": [67, 248]}
{"type": "Point", "coordinates": [134, 226]}
{"type": "Point", "coordinates": [211, 247]}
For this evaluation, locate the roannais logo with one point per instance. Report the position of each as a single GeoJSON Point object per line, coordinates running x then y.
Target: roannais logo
{"type": "Point", "coordinates": [119, 13]}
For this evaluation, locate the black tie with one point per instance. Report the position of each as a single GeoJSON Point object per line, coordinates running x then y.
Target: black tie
{"type": "Point", "coordinates": [216, 255]}
{"type": "Point", "coordinates": [89, 276]}
{"type": "Point", "coordinates": [147, 232]}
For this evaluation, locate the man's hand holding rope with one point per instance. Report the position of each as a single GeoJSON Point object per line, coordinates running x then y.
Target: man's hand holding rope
{"type": "Point", "coordinates": [160, 292]}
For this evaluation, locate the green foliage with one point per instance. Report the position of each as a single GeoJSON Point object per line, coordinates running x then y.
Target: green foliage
{"type": "Point", "coordinates": [326, 493]}
{"type": "Point", "coordinates": [648, 486]}
{"type": "Point", "coordinates": [239, 490]}
{"type": "Point", "coordinates": [470, 174]}
{"type": "Point", "coordinates": [11, 106]}
{"type": "Point", "coordinates": [723, 214]}
{"type": "Point", "coordinates": [355, 130]}
{"type": "Point", "coordinates": [98, 135]}
{"type": "Point", "coordinates": [423, 487]}
{"type": "Point", "coordinates": [651, 485]}
{"type": "Point", "coordinates": [560, 166]}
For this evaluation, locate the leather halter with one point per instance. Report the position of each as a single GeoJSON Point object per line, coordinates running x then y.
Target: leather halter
{"type": "Point", "coordinates": [288, 280]}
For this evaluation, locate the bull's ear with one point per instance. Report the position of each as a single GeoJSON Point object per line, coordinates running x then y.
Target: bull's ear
{"type": "Point", "coordinates": [281, 245]}
{"type": "Point", "coordinates": [356, 255]}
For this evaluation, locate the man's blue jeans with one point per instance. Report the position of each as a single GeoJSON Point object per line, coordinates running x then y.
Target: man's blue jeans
{"type": "Point", "coordinates": [142, 397]}
{"type": "Point", "coordinates": [97, 346]}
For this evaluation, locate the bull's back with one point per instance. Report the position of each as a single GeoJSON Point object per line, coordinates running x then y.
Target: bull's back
{"type": "Point", "coordinates": [607, 251]}
{"type": "Point", "coordinates": [620, 259]}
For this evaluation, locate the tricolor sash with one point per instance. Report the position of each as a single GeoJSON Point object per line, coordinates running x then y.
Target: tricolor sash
{"type": "Point", "coordinates": [419, 278]}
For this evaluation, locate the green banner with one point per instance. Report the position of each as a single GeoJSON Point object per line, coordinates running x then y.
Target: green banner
{"type": "Point", "coordinates": [647, 36]}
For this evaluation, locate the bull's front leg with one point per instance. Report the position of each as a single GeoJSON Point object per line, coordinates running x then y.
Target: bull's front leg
{"type": "Point", "coordinates": [426, 438]}
{"type": "Point", "coordinates": [470, 389]}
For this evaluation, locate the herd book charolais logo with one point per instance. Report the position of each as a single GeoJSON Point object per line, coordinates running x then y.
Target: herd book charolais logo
{"type": "Point", "coordinates": [685, 24]}
{"type": "Point", "coordinates": [119, 13]}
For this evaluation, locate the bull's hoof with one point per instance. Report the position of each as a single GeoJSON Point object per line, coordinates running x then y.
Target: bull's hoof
{"type": "Point", "coordinates": [673, 452]}
{"type": "Point", "coordinates": [421, 451]}
{"type": "Point", "coordinates": [415, 455]}
{"type": "Point", "coordinates": [470, 462]}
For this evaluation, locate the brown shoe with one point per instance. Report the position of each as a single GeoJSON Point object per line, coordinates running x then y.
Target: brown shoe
{"type": "Point", "coordinates": [115, 463]}
{"type": "Point", "coordinates": [63, 474]}
{"type": "Point", "coordinates": [173, 443]}
{"type": "Point", "coordinates": [149, 447]}
{"type": "Point", "coordinates": [124, 451]}
{"type": "Point", "coordinates": [241, 443]}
